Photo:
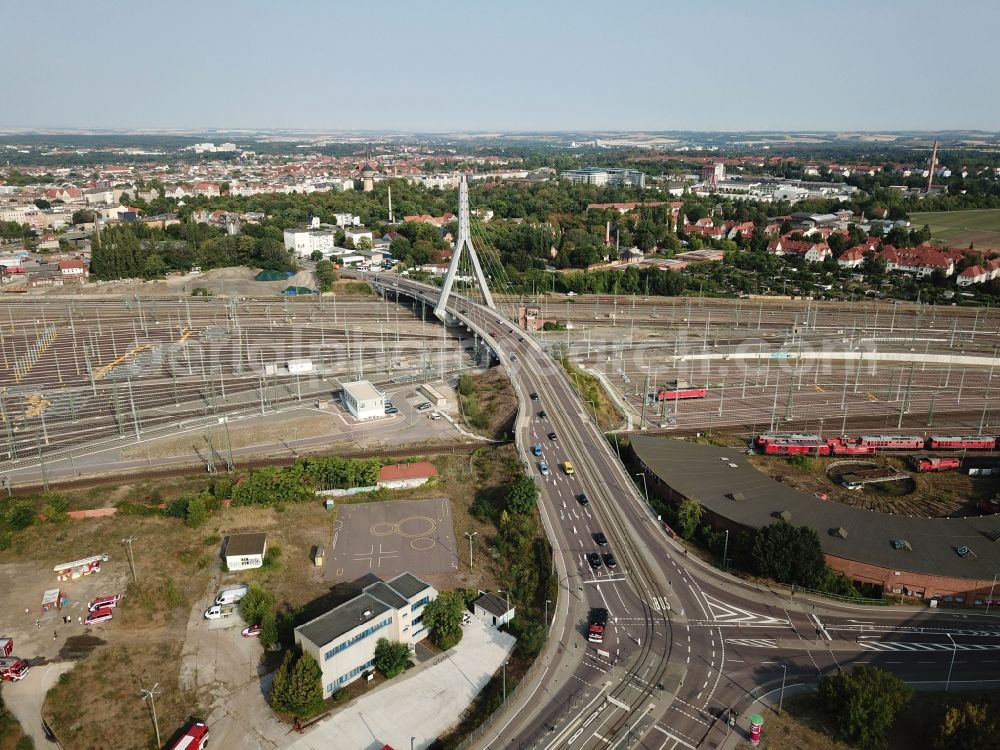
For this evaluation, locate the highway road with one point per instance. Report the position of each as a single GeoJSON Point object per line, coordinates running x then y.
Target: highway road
{"type": "Point", "coordinates": [686, 644]}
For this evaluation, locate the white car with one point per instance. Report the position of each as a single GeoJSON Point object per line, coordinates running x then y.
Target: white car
{"type": "Point", "coordinates": [544, 468]}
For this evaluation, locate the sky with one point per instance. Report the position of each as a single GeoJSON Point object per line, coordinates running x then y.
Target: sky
{"type": "Point", "coordinates": [503, 65]}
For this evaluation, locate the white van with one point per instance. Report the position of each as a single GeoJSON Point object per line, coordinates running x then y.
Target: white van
{"type": "Point", "coordinates": [233, 595]}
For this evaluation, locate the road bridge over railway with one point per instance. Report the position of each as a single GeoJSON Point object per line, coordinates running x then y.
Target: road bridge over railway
{"type": "Point", "coordinates": [686, 645]}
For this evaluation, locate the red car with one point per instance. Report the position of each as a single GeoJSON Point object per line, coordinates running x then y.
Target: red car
{"type": "Point", "coordinates": [98, 616]}
{"type": "Point", "coordinates": [251, 632]}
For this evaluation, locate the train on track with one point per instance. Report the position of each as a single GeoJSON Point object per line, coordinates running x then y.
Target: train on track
{"type": "Point", "coordinates": [795, 443]}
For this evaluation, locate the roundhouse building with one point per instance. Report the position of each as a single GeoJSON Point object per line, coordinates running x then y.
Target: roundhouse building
{"type": "Point", "coordinates": [950, 560]}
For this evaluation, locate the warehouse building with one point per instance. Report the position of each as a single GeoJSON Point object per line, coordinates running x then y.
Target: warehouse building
{"type": "Point", "coordinates": [943, 560]}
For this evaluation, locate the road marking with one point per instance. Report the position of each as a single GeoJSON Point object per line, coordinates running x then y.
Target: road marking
{"type": "Point", "coordinates": [720, 612]}
{"type": "Point", "coordinates": [753, 642]}
{"type": "Point", "coordinates": [674, 737]}
{"type": "Point", "coordinates": [620, 704]}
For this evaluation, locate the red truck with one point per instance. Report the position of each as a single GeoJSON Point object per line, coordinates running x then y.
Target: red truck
{"type": "Point", "coordinates": [598, 624]}
{"type": "Point", "coordinates": [6, 646]}
{"type": "Point", "coordinates": [12, 669]}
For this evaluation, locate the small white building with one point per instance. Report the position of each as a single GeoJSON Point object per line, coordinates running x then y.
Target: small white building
{"type": "Point", "coordinates": [346, 220]}
{"type": "Point", "coordinates": [305, 241]}
{"type": "Point", "coordinates": [343, 640]}
{"type": "Point", "coordinates": [493, 610]}
{"type": "Point", "coordinates": [245, 551]}
{"type": "Point", "coordinates": [364, 400]}
{"type": "Point", "coordinates": [356, 234]}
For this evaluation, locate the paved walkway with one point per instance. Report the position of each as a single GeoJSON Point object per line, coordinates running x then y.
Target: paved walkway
{"type": "Point", "coordinates": [421, 704]}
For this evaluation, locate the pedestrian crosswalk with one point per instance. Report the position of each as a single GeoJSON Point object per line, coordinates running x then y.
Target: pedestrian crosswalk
{"type": "Point", "coordinates": [872, 645]}
{"type": "Point", "coordinates": [753, 642]}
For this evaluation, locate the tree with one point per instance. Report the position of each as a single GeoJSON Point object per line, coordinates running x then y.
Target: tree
{"type": "Point", "coordinates": [391, 657]}
{"type": "Point", "coordinates": [298, 686]}
{"type": "Point", "coordinates": [864, 704]}
{"type": "Point", "coordinates": [789, 554]}
{"type": "Point", "coordinates": [325, 275]}
{"type": "Point", "coordinates": [364, 244]}
{"type": "Point", "coordinates": [316, 255]}
{"type": "Point", "coordinates": [688, 518]}
{"type": "Point", "coordinates": [256, 602]}
{"type": "Point", "coordinates": [968, 727]}
{"type": "Point", "coordinates": [42, 203]}
{"type": "Point", "coordinates": [20, 515]}
{"type": "Point", "coordinates": [443, 619]}
{"type": "Point", "coordinates": [523, 495]}
{"type": "Point", "coordinates": [269, 632]}
{"type": "Point", "coordinates": [196, 513]}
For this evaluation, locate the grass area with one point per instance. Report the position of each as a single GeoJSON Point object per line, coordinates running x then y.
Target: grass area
{"type": "Point", "coordinates": [590, 389]}
{"type": "Point", "coordinates": [944, 494]}
{"type": "Point", "coordinates": [11, 735]}
{"type": "Point", "coordinates": [487, 403]}
{"type": "Point", "coordinates": [355, 288]}
{"type": "Point", "coordinates": [979, 226]}
{"type": "Point", "coordinates": [804, 723]}
{"type": "Point", "coordinates": [107, 685]}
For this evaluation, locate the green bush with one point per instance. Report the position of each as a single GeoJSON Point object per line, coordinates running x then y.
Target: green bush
{"type": "Point", "coordinates": [177, 508]}
{"type": "Point", "coordinates": [55, 509]}
{"type": "Point", "coordinates": [197, 513]}
{"type": "Point", "coordinates": [271, 558]}
{"type": "Point", "coordinates": [255, 604]}
{"type": "Point", "coordinates": [20, 515]}
{"type": "Point", "coordinates": [341, 696]}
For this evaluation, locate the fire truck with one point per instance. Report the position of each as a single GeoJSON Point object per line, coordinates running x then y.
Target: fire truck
{"type": "Point", "coordinates": [6, 646]}
{"type": "Point", "coordinates": [12, 669]}
{"type": "Point", "coordinates": [194, 738]}
{"type": "Point", "coordinates": [598, 624]}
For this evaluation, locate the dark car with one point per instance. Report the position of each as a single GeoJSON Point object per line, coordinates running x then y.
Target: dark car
{"type": "Point", "coordinates": [534, 397]}
{"type": "Point", "coordinates": [552, 436]}
{"type": "Point", "coordinates": [582, 499]}
{"type": "Point", "coordinates": [600, 538]}
{"type": "Point", "coordinates": [610, 560]}
{"type": "Point", "coordinates": [542, 414]}
{"type": "Point", "coordinates": [595, 560]}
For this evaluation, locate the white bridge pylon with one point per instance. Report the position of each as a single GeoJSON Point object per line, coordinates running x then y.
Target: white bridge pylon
{"type": "Point", "coordinates": [464, 242]}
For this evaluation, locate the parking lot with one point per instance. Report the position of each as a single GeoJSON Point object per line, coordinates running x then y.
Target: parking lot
{"type": "Point", "coordinates": [392, 537]}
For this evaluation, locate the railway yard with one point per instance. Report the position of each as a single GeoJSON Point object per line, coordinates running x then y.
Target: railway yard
{"type": "Point", "coordinates": [82, 376]}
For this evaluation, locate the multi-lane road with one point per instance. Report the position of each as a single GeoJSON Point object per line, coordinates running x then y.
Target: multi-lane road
{"type": "Point", "coordinates": [686, 645]}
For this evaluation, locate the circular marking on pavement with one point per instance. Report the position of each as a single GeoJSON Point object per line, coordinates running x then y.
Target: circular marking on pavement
{"type": "Point", "coordinates": [383, 529]}
{"type": "Point", "coordinates": [415, 526]}
{"type": "Point", "coordinates": [422, 543]}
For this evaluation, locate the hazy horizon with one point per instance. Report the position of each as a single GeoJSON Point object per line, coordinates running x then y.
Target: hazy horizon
{"type": "Point", "coordinates": [544, 67]}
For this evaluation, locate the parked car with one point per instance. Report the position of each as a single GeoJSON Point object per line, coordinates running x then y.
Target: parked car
{"type": "Point", "coordinates": [250, 632]}
{"type": "Point", "coordinates": [232, 595]}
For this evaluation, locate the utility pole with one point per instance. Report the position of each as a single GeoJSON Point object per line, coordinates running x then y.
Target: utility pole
{"type": "Point", "coordinates": [470, 537]}
{"type": "Point", "coordinates": [131, 558]}
{"type": "Point", "coordinates": [148, 695]}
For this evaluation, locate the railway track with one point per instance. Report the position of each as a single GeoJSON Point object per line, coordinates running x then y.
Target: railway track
{"type": "Point", "coordinates": [183, 470]}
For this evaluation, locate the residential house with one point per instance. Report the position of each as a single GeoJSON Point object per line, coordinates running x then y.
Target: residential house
{"type": "Point", "coordinates": [343, 640]}
{"type": "Point", "coordinates": [979, 274]}
{"type": "Point", "coordinates": [815, 252]}
{"type": "Point", "coordinates": [920, 261]}
{"type": "Point", "coordinates": [356, 234]}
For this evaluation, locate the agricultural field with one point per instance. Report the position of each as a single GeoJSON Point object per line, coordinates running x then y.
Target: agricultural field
{"type": "Point", "coordinates": [960, 228]}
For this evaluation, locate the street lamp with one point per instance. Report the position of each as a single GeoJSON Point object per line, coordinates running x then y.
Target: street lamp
{"type": "Point", "coordinates": [990, 600]}
{"type": "Point", "coordinates": [645, 487]}
{"type": "Point", "coordinates": [781, 697]}
{"type": "Point", "coordinates": [469, 537]}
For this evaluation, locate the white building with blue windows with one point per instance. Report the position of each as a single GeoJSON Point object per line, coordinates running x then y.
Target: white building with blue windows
{"type": "Point", "coordinates": [343, 640]}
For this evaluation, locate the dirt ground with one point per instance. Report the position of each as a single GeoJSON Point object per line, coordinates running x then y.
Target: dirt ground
{"type": "Point", "coordinates": [947, 493]}
{"type": "Point", "coordinates": [496, 401]}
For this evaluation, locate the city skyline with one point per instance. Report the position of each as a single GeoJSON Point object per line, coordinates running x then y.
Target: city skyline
{"type": "Point", "coordinates": [557, 67]}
